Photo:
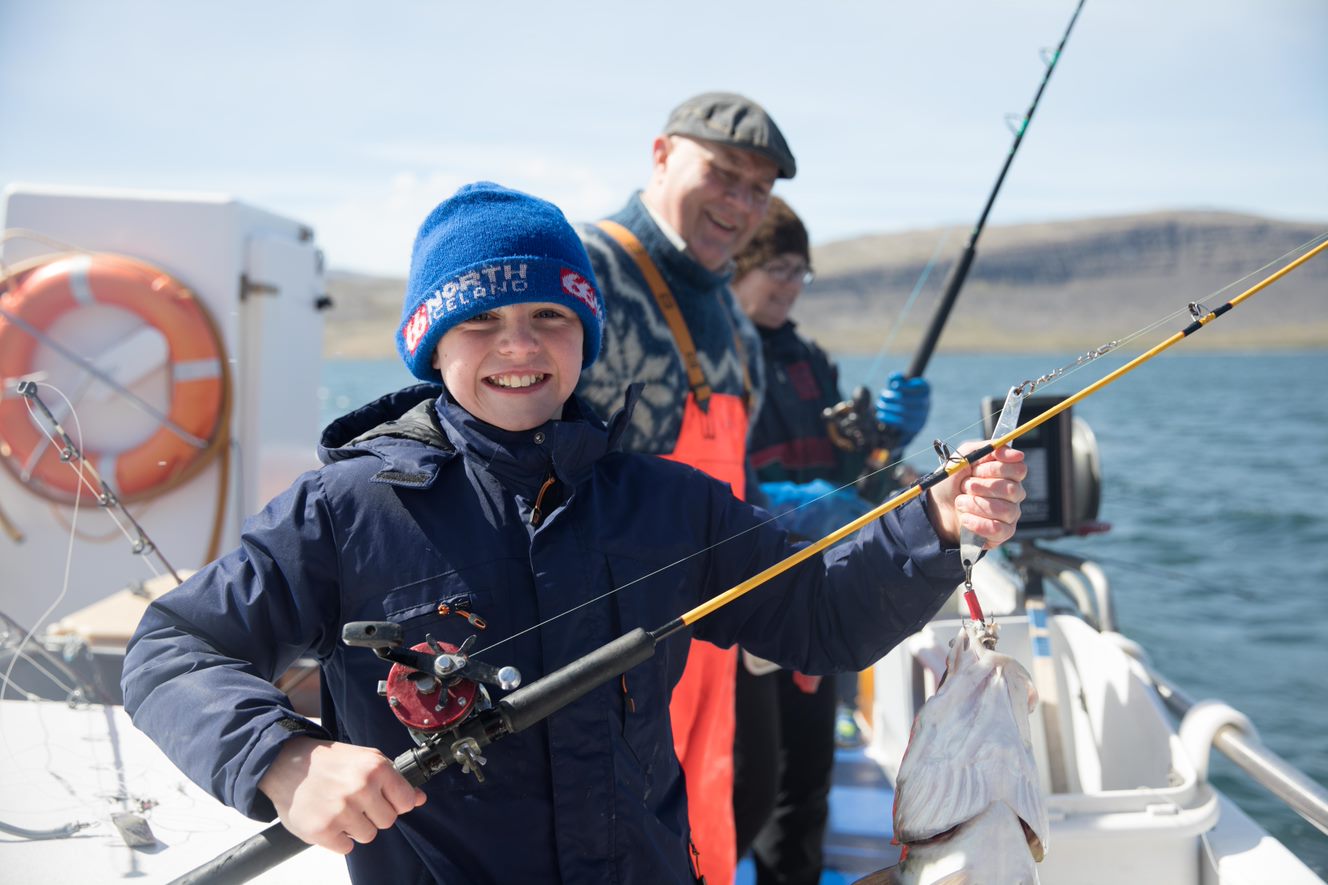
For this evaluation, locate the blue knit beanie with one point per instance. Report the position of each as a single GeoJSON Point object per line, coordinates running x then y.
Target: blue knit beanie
{"type": "Point", "coordinates": [488, 247]}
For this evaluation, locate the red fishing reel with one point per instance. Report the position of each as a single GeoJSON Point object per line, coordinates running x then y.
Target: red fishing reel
{"type": "Point", "coordinates": [422, 701]}
{"type": "Point", "coordinates": [433, 687]}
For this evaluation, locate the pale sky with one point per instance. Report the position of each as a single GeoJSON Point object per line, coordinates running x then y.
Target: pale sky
{"type": "Point", "coordinates": [356, 118]}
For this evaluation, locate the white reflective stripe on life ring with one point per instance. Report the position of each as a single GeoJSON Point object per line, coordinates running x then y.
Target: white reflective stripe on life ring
{"type": "Point", "coordinates": [106, 467]}
{"type": "Point", "coordinates": [195, 370]}
{"type": "Point", "coordinates": [78, 279]}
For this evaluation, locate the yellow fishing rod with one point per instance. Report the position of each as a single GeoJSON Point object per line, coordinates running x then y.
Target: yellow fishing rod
{"type": "Point", "coordinates": [958, 462]}
{"type": "Point", "coordinates": [460, 743]}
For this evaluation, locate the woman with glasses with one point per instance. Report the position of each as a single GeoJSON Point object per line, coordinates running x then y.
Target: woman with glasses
{"type": "Point", "coordinates": [786, 722]}
{"type": "Point", "coordinates": [789, 443]}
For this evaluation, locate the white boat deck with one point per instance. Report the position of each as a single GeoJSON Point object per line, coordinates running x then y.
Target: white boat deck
{"type": "Point", "coordinates": [60, 765]}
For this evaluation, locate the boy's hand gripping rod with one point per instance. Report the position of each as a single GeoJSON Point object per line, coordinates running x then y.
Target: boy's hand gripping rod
{"type": "Point", "coordinates": [532, 703]}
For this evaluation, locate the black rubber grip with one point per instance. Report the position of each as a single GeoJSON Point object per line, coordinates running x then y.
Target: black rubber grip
{"type": "Point", "coordinates": [252, 857]}
{"type": "Point", "coordinates": [548, 694]}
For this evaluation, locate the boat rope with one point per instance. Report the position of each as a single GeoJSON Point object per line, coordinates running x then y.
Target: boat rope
{"type": "Point", "coordinates": [87, 475]}
{"type": "Point", "coordinates": [955, 462]}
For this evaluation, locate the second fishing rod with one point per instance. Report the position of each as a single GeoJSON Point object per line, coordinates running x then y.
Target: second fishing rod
{"type": "Point", "coordinates": [887, 438]}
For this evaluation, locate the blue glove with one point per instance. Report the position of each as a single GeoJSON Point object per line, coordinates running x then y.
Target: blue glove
{"type": "Point", "coordinates": [813, 509]}
{"type": "Point", "coordinates": [903, 405]}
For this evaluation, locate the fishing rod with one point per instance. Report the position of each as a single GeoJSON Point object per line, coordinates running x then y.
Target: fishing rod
{"type": "Point", "coordinates": [846, 420]}
{"type": "Point", "coordinates": [444, 676]}
{"type": "Point", "coordinates": [960, 271]}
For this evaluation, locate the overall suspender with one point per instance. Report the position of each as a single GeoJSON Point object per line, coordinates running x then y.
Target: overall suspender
{"type": "Point", "coordinates": [668, 305]}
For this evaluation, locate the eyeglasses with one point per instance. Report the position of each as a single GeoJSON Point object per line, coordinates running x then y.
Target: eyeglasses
{"type": "Point", "coordinates": [788, 271]}
{"type": "Point", "coordinates": [739, 179]}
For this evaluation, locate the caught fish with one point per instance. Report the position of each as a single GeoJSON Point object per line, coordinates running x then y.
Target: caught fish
{"type": "Point", "coordinates": [968, 805]}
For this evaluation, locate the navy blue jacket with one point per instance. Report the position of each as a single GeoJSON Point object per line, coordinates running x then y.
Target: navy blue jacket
{"type": "Point", "coordinates": [789, 441]}
{"type": "Point", "coordinates": [420, 503]}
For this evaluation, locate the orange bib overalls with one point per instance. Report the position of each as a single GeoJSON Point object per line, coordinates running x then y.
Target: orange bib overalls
{"type": "Point", "coordinates": [712, 438]}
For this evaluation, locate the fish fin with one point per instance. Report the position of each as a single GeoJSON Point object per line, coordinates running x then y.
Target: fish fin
{"type": "Point", "coordinates": [968, 748]}
{"type": "Point", "coordinates": [1024, 789]}
{"type": "Point", "coordinates": [1035, 844]}
{"type": "Point", "coordinates": [943, 778]}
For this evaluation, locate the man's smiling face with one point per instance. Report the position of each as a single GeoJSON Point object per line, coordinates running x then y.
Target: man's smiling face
{"type": "Point", "coordinates": [713, 195]}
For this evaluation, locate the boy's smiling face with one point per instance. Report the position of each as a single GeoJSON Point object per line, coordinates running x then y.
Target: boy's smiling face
{"type": "Point", "coordinates": [513, 366]}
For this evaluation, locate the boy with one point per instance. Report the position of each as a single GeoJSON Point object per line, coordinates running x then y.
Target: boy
{"type": "Point", "coordinates": [499, 495]}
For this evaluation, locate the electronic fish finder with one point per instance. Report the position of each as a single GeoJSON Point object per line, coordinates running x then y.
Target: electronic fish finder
{"type": "Point", "coordinates": [1064, 483]}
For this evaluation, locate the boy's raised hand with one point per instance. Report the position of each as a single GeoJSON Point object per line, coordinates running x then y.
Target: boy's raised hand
{"type": "Point", "coordinates": [984, 498]}
{"type": "Point", "coordinates": [334, 794]}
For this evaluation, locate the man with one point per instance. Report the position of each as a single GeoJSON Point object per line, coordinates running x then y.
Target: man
{"type": "Point", "coordinates": [664, 262]}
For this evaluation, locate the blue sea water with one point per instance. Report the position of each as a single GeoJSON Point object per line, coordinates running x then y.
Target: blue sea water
{"type": "Point", "coordinates": [1215, 473]}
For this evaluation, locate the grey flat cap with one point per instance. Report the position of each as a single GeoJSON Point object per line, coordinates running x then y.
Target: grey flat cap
{"type": "Point", "coordinates": [734, 120]}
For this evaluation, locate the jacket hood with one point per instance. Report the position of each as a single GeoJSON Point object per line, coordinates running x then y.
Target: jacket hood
{"type": "Point", "coordinates": [395, 415]}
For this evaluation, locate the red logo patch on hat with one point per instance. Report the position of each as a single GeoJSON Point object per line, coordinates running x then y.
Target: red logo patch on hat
{"type": "Point", "coordinates": [579, 288]}
{"type": "Point", "coordinates": [415, 328]}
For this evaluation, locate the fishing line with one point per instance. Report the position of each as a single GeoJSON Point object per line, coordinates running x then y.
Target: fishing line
{"type": "Point", "coordinates": [22, 233]}
{"type": "Point", "coordinates": [1117, 344]}
{"type": "Point", "coordinates": [958, 462]}
{"type": "Point", "coordinates": [70, 690]}
{"type": "Point", "coordinates": [875, 368]}
{"type": "Point", "coordinates": [1307, 250]}
{"type": "Point", "coordinates": [20, 651]}
{"type": "Point", "coordinates": [69, 560]}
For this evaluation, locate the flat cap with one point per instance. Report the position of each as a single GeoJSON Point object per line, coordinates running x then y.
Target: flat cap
{"type": "Point", "coordinates": [732, 119]}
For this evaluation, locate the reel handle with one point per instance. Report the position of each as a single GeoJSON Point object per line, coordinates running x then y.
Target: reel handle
{"type": "Point", "coordinates": [506, 678]}
{"type": "Point", "coordinates": [372, 634]}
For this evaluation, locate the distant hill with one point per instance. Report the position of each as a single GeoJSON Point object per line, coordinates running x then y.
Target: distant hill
{"type": "Point", "coordinates": [1033, 287]}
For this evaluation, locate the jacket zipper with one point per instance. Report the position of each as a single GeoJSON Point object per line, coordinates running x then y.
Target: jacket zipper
{"type": "Point", "coordinates": [460, 606]}
{"type": "Point", "coordinates": [536, 513]}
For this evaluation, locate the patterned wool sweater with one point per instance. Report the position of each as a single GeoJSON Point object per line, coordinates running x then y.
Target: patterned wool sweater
{"type": "Point", "coordinates": [638, 345]}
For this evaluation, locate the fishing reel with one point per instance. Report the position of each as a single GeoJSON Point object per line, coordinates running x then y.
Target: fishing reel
{"type": "Point", "coordinates": [435, 689]}
{"type": "Point", "coordinates": [853, 427]}
{"type": "Point", "coordinates": [851, 424]}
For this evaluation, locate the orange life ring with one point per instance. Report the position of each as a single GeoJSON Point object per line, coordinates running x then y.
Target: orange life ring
{"type": "Point", "coordinates": [37, 296]}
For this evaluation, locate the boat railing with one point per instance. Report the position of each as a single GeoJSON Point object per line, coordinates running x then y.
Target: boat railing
{"type": "Point", "coordinates": [1232, 733]}
{"type": "Point", "coordinates": [1203, 724]}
